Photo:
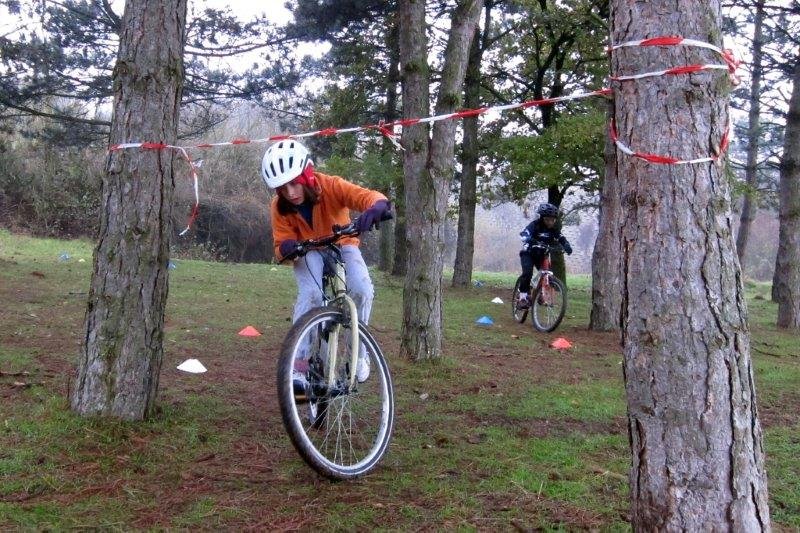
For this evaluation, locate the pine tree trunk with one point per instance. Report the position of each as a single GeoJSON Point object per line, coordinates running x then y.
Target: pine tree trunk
{"type": "Point", "coordinates": [467, 194]}
{"type": "Point", "coordinates": [122, 353]}
{"type": "Point", "coordinates": [786, 281]}
{"type": "Point", "coordinates": [386, 246]}
{"type": "Point", "coordinates": [606, 268]}
{"type": "Point", "coordinates": [749, 206]}
{"type": "Point", "coordinates": [428, 169]}
{"type": "Point", "coordinates": [387, 233]}
{"type": "Point", "coordinates": [695, 437]}
{"type": "Point", "coordinates": [400, 260]}
{"type": "Point", "coordinates": [558, 264]}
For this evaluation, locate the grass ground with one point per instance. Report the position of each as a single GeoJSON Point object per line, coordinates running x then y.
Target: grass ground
{"type": "Point", "coordinates": [502, 433]}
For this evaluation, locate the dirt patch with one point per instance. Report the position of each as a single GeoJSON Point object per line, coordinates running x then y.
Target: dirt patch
{"type": "Point", "coordinates": [535, 509]}
{"type": "Point", "coordinates": [780, 412]}
{"type": "Point", "coordinates": [534, 359]}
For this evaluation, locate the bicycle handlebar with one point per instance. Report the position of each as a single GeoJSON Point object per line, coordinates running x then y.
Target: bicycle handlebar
{"type": "Point", "coordinates": [547, 247]}
{"type": "Point", "coordinates": [348, 230]}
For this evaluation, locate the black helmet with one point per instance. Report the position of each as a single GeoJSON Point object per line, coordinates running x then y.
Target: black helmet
{"type": "Point", "coordinates": [547, 210]}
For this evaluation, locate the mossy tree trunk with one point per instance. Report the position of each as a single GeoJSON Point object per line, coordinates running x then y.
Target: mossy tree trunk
{"type": "Point", "coordinates": [428, 168]}
{"type": "Point", "coordinates": [606, 267]}
{"type": "Point", "coordinates": [122, 352]}
{"type": "Point", "coordinates": [786, 280]}
{"type": "Point", "coordinates": [470, 145]}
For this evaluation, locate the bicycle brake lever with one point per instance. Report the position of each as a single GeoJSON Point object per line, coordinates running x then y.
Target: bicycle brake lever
{"type": "Point", "coordinates": [348, 229]}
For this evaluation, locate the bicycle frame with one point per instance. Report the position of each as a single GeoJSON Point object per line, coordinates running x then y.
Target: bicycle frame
{"type": "Point", "coordinates": [338, 284]}
{"type": "Point", "coordinates": [543, 276]}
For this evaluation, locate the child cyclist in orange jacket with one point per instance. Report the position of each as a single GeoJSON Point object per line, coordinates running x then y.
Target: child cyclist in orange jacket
{"type": "Point", "coordinates": [306, 206]}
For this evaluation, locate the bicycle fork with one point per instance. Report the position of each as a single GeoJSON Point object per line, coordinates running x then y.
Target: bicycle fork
{"type": "Point", "coordinates": [333, 341]}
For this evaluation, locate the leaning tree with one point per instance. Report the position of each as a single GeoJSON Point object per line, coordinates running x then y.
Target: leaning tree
{"type": "Point", "coordinates": [123, 333]}
{"type": "Point", "coordinates": [695, 436]}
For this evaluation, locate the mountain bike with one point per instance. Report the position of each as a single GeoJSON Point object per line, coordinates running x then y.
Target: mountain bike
{"type": "Point", "coordinates": [548, 299]}
{"type": "Point", "coordinates": [340, 427]}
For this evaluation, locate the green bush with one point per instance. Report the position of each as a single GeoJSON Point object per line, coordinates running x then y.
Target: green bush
{"type": "Point", "coordinates": [49, 191]}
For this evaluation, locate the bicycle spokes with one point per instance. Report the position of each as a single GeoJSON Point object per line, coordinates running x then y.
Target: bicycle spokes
{"type": "Point", "coordinates": [344, 427]}
{"type": "Point", "coordinates": [549, 305]}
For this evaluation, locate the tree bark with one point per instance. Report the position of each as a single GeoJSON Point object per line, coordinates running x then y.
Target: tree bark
{"type": "Point", "coordinates": [558, 264]}
{"type": "Point", "coordinates": [428, 169]}
{"type": "Point", "coordinates": [122, 353]}
{"type": "Point", "coordinates": [695, 437]}
{"type": "Point", "coordinates": [387, 234]}
{"type": "Point", "coordinates": [467, 194]}
{"type": "Point", "coordinates": [786, 280]}
{"type": "Point", "coordinates": [606, 267]}
{"type": "Point", "coordinates": [400, 261]}
{"type": "Point", "coordinates": [749, 206]}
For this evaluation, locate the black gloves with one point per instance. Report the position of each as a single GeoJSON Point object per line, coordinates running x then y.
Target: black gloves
{"type": "Point", "coordinates": [289, 249]}
{"type": "Point", "coordinates": [372, 216]}
{"type": "Point", "coordinates": [565, 244]}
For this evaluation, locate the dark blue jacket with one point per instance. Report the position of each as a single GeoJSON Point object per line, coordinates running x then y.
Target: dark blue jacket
{"type": "Point", "coordinates": [536, 231]}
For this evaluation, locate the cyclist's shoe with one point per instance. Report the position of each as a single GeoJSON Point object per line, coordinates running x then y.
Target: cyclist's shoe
{"type": "Point", "coordinates": [362, 369]}
{"type": "Point", "coordinates": [300, 386]}
{"type": "Point", "coordinates": [523, 302]}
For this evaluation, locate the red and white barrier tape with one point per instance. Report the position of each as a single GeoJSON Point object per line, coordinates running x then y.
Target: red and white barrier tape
{"type": "Point", "coordinates": [731, 65]}
{"type": "Point", "coordinates": [667, 160]}
{"type": "Point", "coordinates": [731, 62]}
{"type": "Point", "coordinates": [387, 129]}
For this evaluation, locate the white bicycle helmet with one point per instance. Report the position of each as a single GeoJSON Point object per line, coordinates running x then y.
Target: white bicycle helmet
{"type": "Point", "coordinates": [283, 162]}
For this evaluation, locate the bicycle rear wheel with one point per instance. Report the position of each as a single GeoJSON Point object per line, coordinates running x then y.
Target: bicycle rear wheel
{"type": "Point", "coordinates": [519, 314]}
{"type": "Point", "coordinates": [548, 305]}
{"type": "Point", "coordinates": [341, 433]}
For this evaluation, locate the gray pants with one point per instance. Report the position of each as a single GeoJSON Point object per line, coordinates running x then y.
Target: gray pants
{"type": "Point", "coordinates": [308, 273]}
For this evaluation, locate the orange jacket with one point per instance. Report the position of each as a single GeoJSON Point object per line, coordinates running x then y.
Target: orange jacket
{"type": "Point", "coordinates": [336, 198]}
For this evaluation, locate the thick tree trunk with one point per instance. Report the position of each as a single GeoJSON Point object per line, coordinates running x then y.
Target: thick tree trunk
{"type": "Point", "coordinates": [606, 268]}
{"type": "Point", "coordinates": [121, 359]}
{"type": "Point", "coordinates": [428, 169]}
{"type": "Point", "coordinates": [558, 265]}
{"type": "Point", "coordinates": [467, 194]}
{"type": "Point", "coordinates": [786, 281]}
{"type": "Point", "coordinates": [696, 441]}
{"type": "Point", "coordinates": [749, 206]}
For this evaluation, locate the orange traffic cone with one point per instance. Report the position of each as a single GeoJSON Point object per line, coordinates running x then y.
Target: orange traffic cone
{"type": "Point", "coordinates": [561, 344]}
{"type": "Point", "coordinates": [250, 331]}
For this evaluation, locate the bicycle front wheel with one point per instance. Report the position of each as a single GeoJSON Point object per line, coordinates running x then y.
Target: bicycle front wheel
{"type": "Point", "coordinates": [339, 431]}
{"type": "Point", "coordinates": [548, 305]}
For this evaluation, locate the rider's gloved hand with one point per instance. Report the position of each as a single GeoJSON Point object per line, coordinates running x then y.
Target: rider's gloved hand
{"type": "Point", "coordinates": [372, 216]}
{"type": "Point", "coordinates": [565, 244]}
{"type": "Point", "coordinates": [289, 248]}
